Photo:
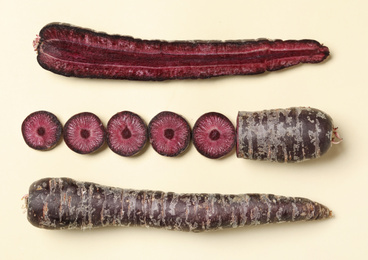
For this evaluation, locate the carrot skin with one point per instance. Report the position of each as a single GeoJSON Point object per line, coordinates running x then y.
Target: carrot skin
{"type": "Point", "coordinates": [63, 203]}
{"type": "Point", "coordinates": [79, 52]}
{"type": "Point", "coordinates": [294, 134]}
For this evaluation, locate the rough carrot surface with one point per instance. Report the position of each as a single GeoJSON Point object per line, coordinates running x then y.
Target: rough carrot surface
{"type": "Point", "coordinates": [73, 51]}
{"type": "Point", "coordinates": [284, 135]}
{"type": "Point", "coordinates": [63, 203]}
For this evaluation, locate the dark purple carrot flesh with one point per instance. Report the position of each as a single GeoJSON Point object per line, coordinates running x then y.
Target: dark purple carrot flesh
{"type": "Point", "coordinates": [214, 135]}
{"type": "Point", "coordinates": [84, 133]}
{"type": "Point", "coordinates": [63, 203]}
{"type": "Point", "coordinates": [72, 51]}
{"type": "Point", "coordinates": [126, 133]}
{"type": "Point", "coordinates": [169, 134]}
{"type": "Point", "coordinates": [41, 130]}
{"type": "Point", "coordinates": [284, 135]}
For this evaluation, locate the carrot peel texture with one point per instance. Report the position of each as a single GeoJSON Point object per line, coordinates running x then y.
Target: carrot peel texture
{"type": "Point", "coordinates": [293, 134]}
{"type": "Point", "coordinates": [63, 203]}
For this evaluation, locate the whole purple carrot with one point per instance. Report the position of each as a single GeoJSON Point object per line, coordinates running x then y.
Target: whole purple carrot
{"type": "Point", "coordinates": [63, 203]}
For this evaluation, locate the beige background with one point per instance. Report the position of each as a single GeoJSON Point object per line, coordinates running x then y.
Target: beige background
{"type": "Point", "coordinates": [337, 86]}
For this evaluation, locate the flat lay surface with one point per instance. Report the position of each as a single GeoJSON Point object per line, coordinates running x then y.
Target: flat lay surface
{"type": "Point", "coordinates": [336, 86]}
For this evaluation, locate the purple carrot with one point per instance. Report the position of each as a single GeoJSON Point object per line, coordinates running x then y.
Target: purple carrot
{"type": "Point", "coordinates": [72, 51]}
{"type": "Point", "coordinates": [42, 130]}
{"type": "Point", "coordinates": [63, 203]}
{"type": "Point", "coordinates": [285, 135]}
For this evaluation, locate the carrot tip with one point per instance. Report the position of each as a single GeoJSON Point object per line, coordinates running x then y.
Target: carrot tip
{"type": "Point", "coordinates": [36, 42]}
{"type": "Point", "coordinates": [25, 204]}
{"type": "Point", "coordinates": [336, 138]}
